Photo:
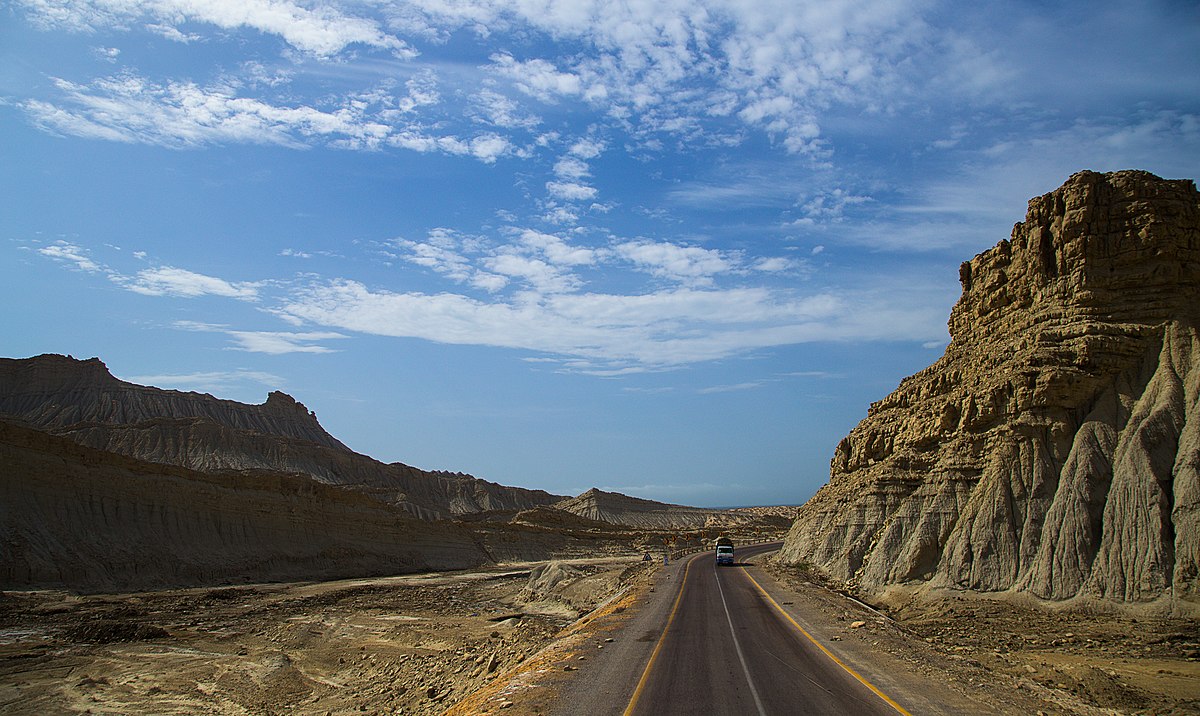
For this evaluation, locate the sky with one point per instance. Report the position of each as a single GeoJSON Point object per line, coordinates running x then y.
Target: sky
{"type": "Point", "coordinates": [671, 248]}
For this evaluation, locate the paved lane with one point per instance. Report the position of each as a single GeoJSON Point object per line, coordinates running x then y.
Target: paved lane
{"type": "Point", "coordinates": [728, 650]}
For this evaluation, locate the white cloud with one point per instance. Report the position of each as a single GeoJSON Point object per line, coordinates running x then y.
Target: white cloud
{"type": "Point", "coordinates": [558, 251]}
{"type": "Point", "coordinates": [322, 31]}
{"type": "Point", "coordinates": [170, 281]}
{"type": "Point", "coordinates": [489, 147]}
{"type": "Point", "coordinates": [270, 342]}
{"type": "Point", "coordinates": [540, 275]}
{"type": "Point", "coordinates": [830, 206]}
{"type": "Point", "coordinates": [278, 343]}
{"type": "Point", "coordinates": [678, 263]}
{"type": "Point", "coordinates": [600, 333]}
{"type": "Point", "coordinates": [774, 264]}
{"type": "Point", "coordinates": [571, 168]}
{"type": "Point", "coordinates": [611, 334]}
{"type": "Point", "coordinates": [439, 256]}
{"type": "Point", "coordinates": [493, 108]}
{"type": "Point", "coordinates": [72, 254]}
{"type": "Point", "coordinates": [587, 148]}
{"type": "Point", "coordinates": [537, 77]}
{"type": "Point", "coordinates": [129, 108]}
{"type": "Point", "coordinates": [173, 33]}
{"type": "Point", "coordinates": [571, 191]}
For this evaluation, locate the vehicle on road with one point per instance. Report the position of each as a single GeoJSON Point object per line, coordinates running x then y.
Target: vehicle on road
{"type": "Point", "coordinates": [724, 550]}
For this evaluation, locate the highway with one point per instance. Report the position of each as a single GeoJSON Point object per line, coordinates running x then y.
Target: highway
{"type": "Point", "coordinates": [726, 648]}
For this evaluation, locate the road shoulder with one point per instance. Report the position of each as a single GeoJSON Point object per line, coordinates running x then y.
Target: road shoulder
{"type": "Point", "coordinates": [895, 661]}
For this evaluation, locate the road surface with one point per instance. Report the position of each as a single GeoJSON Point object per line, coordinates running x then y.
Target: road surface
{"type": "Point", "coordinates": [728, 649]}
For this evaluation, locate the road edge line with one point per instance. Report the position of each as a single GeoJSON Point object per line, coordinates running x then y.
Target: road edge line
{"type": "Point", "coordinates": [820, 646]}
{"type": "Point", "coordinates": [637, 692]}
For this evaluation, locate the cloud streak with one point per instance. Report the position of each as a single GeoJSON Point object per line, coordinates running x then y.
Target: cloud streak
{"type": "Point", "coordinates": [322, 31]}
{"type": "Point", "coordinates": [612, 334]}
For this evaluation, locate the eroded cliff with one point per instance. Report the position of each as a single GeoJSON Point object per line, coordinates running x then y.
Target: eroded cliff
{"type": "Point", "coordinates": [1055, 447]}
{"type": "Point", "coordinates": [81, 400]}
{"type": "Point", "coordinates": [84, 519]}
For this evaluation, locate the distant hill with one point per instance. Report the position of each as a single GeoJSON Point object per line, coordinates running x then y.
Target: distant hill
{"type": "Point", "coordinates": [81, 400]}
{"type": "Point", "coordinates": [618, 509]}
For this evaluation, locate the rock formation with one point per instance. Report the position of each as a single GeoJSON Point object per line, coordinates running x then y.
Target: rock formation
{"type": "Point", "coordinates": [617, 509]}
{"type": "Point", "coordinates": [81, 400]}
{"type": "Point", "coordinates": [1054, 448]}
{"type": "Point", "coordinates": [84, 519]}
{"type": "Point", "coordinates": [107, 485]}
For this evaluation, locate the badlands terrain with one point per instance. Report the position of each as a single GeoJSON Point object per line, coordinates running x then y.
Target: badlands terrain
{"type": "Point", "coordinates": [1017, 524]}
{"type": "Point", "coordinates": [510, 639]}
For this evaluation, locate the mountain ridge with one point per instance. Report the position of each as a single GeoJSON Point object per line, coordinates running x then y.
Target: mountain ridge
{"type": "Point", "coordinates": [82, 400]}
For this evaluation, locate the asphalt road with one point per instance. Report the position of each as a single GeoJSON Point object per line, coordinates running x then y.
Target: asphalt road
{"type": "Point", "coordinates": [727, 649]}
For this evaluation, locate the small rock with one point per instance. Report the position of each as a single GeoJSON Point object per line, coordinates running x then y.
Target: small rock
{"type": "Point", "coordinates": [857, 624]}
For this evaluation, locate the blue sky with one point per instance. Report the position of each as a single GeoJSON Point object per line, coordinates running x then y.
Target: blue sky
{"type": "Point", "coordinates": [670, 248]}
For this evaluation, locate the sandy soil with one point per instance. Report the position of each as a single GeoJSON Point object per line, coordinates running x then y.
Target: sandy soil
{"type": "Point", "coordinates": [406, 645]}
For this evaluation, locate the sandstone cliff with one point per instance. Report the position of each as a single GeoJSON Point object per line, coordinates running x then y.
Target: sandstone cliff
{"type": "Point", "coordinates": [83, 401]}
{"type": "Point", "coordinates": [83, 519]}
{"type": "Point", "coordinates": [1055, 447]}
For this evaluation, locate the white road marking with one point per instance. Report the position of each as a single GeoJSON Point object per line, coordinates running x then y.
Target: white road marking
{"type": "Point", "coordinates": [738, 646]}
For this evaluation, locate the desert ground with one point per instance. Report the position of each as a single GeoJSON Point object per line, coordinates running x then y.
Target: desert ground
{"type": "Point", "coordinates": [507, 639]}
{"type": "Point", "coordinates": [405, 645]}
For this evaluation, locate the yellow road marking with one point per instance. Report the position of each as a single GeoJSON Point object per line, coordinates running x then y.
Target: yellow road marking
{"type": "Point", "coordinates": [637, 693]}
{"type": "Point", "coordinates": [816, 643]}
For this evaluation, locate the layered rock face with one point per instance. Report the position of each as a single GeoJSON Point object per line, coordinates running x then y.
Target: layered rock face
{"type": "Point", "coordinates": [1055, 447]}
{"type": "Point", "coordinates": [84, 519]}
{"type": "Point", "coordinates": [83, 401]}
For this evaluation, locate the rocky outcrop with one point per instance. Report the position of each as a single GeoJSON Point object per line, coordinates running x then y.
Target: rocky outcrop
{"type": "Point", "coordinates": [81, 400]}
{"type": "Point", "coordinates": [1054, 448]}
{"type": "Point", "coordinates": [83, 519]}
